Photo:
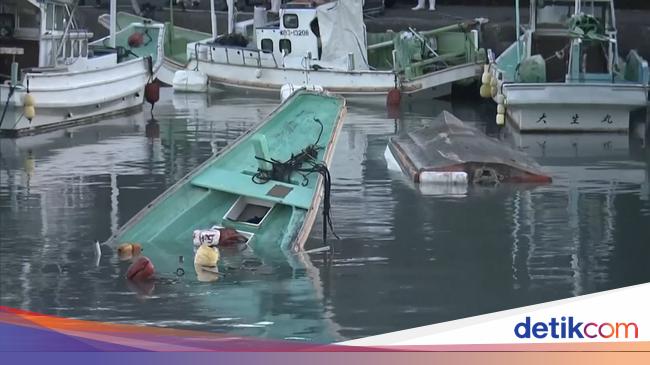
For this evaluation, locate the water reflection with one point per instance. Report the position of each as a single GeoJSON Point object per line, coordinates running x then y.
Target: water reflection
{"type": "Point", "coordinates": [407, 257]}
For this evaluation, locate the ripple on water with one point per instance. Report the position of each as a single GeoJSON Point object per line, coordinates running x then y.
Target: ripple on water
{"type": "Point", "coordinates": [406, 258]}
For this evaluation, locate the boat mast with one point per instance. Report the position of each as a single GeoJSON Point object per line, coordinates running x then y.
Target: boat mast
{"type": "Point", "coordinates": [213, 19]}
{"type": "Point", "coordinates": [171, 25]}
{"type": "Point", "coordinates": [231, 16]}
{"type": "Point", "coordinates": [113, 23]}
{"type": "Point", "coordinates": [517, 25]}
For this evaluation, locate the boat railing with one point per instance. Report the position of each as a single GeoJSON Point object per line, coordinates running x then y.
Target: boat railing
{"type": "Point", "coordinates": [233, 55]}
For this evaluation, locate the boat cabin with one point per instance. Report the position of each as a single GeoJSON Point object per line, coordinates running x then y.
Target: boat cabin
{"type": "Point", "coordinates": [568, 41]}
{"type": "Point", "coordinates": [297, 33]}
{"type": "Point", "coordinates": [307, 36]}
{"type": "Point", "coordinates": [40, 36]}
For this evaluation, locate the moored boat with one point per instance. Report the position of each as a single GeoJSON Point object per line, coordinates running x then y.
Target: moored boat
{"type": "Point", "coordinates": [66, 79]}
{"type": "Point", "coordinates": [564, 72]}
{"type": "Point", "coordinates": [246, 188]}
{"type": "Point", "coordinates": [328, 45]}
{"type": "Point", "coordinates": [175, 43]}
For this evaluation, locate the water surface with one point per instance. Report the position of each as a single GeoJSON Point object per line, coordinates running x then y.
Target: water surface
{"type": "Point", "coordinates": [408, 255]}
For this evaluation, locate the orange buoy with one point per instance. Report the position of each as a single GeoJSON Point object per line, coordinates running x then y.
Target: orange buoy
{"type": "Point", "coordinates": [136, 40]}
{"type": "Point", "coordinates": [394, 98]}
{"type": "Point", "coordinates": [152, 93]}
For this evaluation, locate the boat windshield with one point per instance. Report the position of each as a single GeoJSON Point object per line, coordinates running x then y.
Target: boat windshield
{"type": "Point", "coordinates": [558, 14]}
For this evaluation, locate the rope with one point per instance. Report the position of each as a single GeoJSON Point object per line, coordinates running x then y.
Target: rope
{"type": "Point", "coordinates": [282, 171]}
{"type": "Point", "coordinates": [12, 88]}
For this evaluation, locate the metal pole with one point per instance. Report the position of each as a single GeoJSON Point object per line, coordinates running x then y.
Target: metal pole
{"type": "Point", "coordinates": [231, 16]}
{"type": "Point", "coordinates": [113, 26]}
{"type": "Point", "coordinates": [517, 25]}
{"type": "Point", "coordinates": [213, 20]}
{"type": "Point", "coordinates": [170, 31]}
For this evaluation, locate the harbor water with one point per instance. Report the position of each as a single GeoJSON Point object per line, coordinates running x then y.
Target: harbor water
{"type": "Point", "coordinates": [407, 256]}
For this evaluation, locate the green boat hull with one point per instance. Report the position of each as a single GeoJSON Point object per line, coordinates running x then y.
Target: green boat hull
{"type": "Point", "coordinates": [209, 195]}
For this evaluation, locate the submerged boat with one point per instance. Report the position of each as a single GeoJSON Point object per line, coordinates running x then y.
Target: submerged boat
{"type": "Point", "coordinates": [175, 43]}
{"type": "Point", "coordinates": [328, 45]}
{"type": "Point", "coordinates": [273, 204]}
{"type": "Point", "coordinates": [451, 152]}
{"type": "Point", "coordinates": [564, 72]}
{"type": "Point", "coordinates": [55, 76]}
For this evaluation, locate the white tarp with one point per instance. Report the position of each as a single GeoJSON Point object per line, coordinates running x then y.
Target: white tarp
{"type": "Point", "coordinates": [343, 31]}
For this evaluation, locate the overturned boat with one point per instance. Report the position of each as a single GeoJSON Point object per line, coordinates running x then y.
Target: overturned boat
{"type": "Point", "coordinates": [267, 185]}
{"type": "Point", "coordinates": [58, 77]}
{"type": "Point", "coordinates": [451, 152]}
{"type": "Point", "coordinates": [564, 72]}
{"type": "Point", "coordinates": [328, 45]}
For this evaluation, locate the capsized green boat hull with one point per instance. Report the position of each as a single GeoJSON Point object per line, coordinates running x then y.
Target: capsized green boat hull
{"type": "Point", "coordinates": [215, 191]}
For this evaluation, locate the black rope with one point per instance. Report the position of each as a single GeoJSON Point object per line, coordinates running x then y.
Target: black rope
{"type": "Point", "coordinates": [12, 88]}
{"type": "Point", "coordinates": [283, 171]}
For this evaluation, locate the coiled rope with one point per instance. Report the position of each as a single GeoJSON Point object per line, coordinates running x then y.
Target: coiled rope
{"type": "Point", "coordinates": [304, 164]}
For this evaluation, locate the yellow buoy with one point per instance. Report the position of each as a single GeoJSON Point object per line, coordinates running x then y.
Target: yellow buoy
{"type": "Point", "coordinates": [29, 112]}
{"type": "Point", "coordinates": [500, 99]}
{"type": "Point", "coordinates": [494, 91]}
{"type": "Point", "coordinates": [485, 91]}
{"type": "Point", "coordinates": [206, 256]}
{"type": "Point", "coordinates": [501, 109]}
{"type": "Point", "coordinates": [28, 100]}
{"type": "Point", "coordinates": [127, 251]}
{"type": "Point", "coordinates": [493, 82]}
{"type": "Point", "coordinates": [501, 119]}
{"type": "Point", "coordinates": [486, 78]}
{"type": "Point", "coordinates": [28, 106]}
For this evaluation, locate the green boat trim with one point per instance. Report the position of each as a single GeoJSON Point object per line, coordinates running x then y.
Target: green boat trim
{"type": "Point", "coordinates": [152, 46]}
{"type": "Point", "coordinates": [222, 192]}
{"type": "Point", "coordinates": [176, 38]}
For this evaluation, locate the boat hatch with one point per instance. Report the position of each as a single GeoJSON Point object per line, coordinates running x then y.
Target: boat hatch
{"type": "Point", "coordinates": [249, 211]}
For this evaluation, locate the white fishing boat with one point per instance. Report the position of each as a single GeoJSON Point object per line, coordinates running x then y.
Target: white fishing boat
{"type": "Point", "coordinates": [54, 76]}
{"type": "Point", "coordinates": [564, 72]}
{"type": "Point", "coordinates": [328, 45]}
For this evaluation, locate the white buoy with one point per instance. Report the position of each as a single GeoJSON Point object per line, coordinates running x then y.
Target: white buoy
{"type": "Point", "coordinates": [289, 89]}
{"type": "Point", "coordinates": [190, 81]}
{"type": "Point", "coordinates": [446, 177]}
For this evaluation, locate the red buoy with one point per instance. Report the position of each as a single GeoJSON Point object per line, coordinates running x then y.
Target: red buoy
{"type": "Point", "coordinates": [152, 93]}
{"type": "Point", "coordinates": [140, 270]}
{"type": "Point", "coordinates": [136, 40]}
{"type": "Point", "coordinates": [394, 98]}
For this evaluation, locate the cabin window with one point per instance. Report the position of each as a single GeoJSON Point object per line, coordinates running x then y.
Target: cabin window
{"type": "Point", "coordinates": [290, 21]}
{"type": "Point", "coordinates": [267, 45]}
{"type": "Point", "coordinates": [315, 27]}
{"type": "Point", "coordinates": [28, 18]}
{"type": "Point", "coordinates": [75, 48]}
{"type": "Point", "coordinates": [285, 46]}
{"type": "Point", "coordinates": [84, 48]}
